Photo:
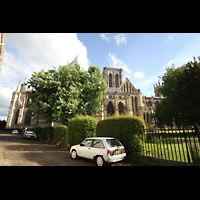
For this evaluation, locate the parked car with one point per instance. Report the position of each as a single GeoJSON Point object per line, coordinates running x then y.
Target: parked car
{"type": "Point", "coordinates": [15, 132]}
{"type": "Point", "coordinates": [29, 134]}
{"type": "Point", "coordinates": [100, 149]}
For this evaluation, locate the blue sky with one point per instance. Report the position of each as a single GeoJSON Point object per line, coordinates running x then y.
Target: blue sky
{"type": "Point", "coordinates": [142, 56]}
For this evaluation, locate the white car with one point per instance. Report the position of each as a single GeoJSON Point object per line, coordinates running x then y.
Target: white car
{"type": "Point", "coordinates": [100, 149]}
{"type": "Point", "coordinates": [29, 134]}
{"type": "Point", "coordinates": [15, 132]}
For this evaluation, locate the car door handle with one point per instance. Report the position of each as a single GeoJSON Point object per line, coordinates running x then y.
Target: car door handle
{"type": "Point", "coordinates": [88, 148]}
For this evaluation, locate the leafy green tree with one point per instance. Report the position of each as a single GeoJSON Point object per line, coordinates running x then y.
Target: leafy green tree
{"type": "Point", "coordinates": [182, 96]}
{"type": "Point", "coordinates": [58, 95]}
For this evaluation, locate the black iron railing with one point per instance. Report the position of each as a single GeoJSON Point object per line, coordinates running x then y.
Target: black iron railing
{"type": "Point", "coordinates": [172, 144]}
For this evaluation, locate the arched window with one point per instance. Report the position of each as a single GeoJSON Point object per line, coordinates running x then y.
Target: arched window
{"type": "Point", "coordinates": [136, 108]}
{"type": "Point", "coordinates": [127, 87]}
{"type": "Point", "coordinates": [121, 108]}
{"type": "Point", "coordinates": [17, 115]}
{"type": "Point", "coordinates": [117, 81]}
{"type": "Point", "coordinates": [110, 80]}
{"type": "Point", "coordinates": [149, 103]}
{"type": "Point", "coordinates": [132, 104]}
{"type": "Point", "coordinates": [110, 109]}
{"type": "Point", "coordinates": [156, 104]}
{"type": "Point", "coordinates": [28, 118]}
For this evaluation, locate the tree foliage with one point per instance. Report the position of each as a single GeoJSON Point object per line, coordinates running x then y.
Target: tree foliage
{"type": "Point", "coordinates": [182, 96]}
{"type": "Point", "coordinates": [58, 95]}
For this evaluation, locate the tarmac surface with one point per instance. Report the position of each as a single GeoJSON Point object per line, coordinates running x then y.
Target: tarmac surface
{"type": "Point", "coordinates": [16, 151]}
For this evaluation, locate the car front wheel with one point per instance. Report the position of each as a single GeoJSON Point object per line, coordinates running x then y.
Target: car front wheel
{"type": "Point", "coordinates": [99, 161]}
{"type": "Point", "coordinates": [74, 154]}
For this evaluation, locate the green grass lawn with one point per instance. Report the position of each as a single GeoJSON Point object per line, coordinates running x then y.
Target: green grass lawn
{"type": "Point", "coordinates": [172, 146]}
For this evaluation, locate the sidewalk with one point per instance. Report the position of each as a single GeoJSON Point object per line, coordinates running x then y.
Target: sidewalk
{"type": "Point", "coordinates": [2, 161]}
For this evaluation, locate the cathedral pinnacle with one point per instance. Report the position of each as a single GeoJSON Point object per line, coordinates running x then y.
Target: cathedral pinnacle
{"type": "Point", "coordinates": [18, 87]}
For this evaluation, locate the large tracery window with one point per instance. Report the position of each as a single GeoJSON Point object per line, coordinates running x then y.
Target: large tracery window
{"type": "Point", "coordinates": [27, 118]}
{"type": "Point", "coordinates": [110, 80]}
{"type": "Point", "coordinates": [136, 108]}
{"type": "Point", "coordinates": [121, 108]}
{"type": "Point", "coordinates": [16, 117]}
{"type": "Point", "coordinates": [117, 81]}
{"type": "Point", "coordinates": [110, 109]}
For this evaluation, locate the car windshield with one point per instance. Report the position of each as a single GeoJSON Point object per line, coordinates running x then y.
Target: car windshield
{"type": "Point", "coordinates": [113, 143]}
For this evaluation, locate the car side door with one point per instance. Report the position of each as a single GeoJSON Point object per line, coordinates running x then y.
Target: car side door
{"type": "Point", "coordinates": [97, 148]}
{"type": "Point", "coordinates": [84, 149]}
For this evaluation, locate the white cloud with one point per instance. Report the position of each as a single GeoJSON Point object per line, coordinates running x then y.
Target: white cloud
{"type": "Point", "coordinates": [117, 63]}
{"type": "Point", "coordinates": [104, 37]}
{"type": "Point", "coordinates": [39, 50]}
{"type": "Point", "coordinates": [186, 55]}
{"type": "Point", "coordinates": [120, 39]}
{"type": "Point", "coordinates": [146, 86]}
{"type": "Point", "coordinates": [3, 118]}
{"type": "Point", "coordinates": [138, 75]}
{"type": "Point", "coordinates": [28, 52]}
{"type": "Point", "coordinates": [170, 37]}
{"type": "Point", "coordinates": [6, 95]}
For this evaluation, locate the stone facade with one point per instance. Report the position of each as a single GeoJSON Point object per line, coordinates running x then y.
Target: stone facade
{"type": "Point", "coordinates": [19, 116]}
{"type": "Point", "coordinates": [121, 97]}
{"type": "Point", "coordinates": [2, 46]}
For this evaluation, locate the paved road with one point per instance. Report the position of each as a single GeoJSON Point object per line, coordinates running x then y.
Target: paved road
{"type": "Point", "coordinates": [15, 151]}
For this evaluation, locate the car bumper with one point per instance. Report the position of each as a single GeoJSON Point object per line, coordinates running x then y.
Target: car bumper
{"type": "Point", "coordinates": [114, 158]}
{"type": "Point", "coordinates": [29, 136]}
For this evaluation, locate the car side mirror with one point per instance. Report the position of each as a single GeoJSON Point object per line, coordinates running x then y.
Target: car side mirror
{"type": "Point", "coordinates": [82, 145]}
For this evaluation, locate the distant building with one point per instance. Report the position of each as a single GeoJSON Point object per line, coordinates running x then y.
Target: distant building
{"type": "Point", "coordinates": [121, 97]}
{"type": "Point", "coordinates": [2, 46]}
{"type": "Point", "coordinates": [19, 116]}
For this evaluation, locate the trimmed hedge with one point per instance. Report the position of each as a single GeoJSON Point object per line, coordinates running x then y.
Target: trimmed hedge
{"type": "Point", "coordinates": [81, 127]}
{"type": "Point", "coordinates": [129, 130]}
{"type": "Point", "coordinates": [47, 131]}
{"type": "Point", "coordinates": [38, 130]}
{"type": "Point", "coordinates": [60, 133]}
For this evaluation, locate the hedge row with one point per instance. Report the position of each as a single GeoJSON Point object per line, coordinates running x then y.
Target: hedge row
{"type": "Point", "coordinates": [60, 133]}
{"type": "Point", "coordinates": [81, 127]}
{"type": "Point", "coordinates": [47, 131]}
{"type": "Point", "coordinates": [129, 130]}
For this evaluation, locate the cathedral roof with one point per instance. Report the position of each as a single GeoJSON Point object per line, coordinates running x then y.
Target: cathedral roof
{"type": "Point", "coordinates": [113, 89]}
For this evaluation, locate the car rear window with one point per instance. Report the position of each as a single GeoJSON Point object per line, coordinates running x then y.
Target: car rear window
{"type": "Point", "coordinates": [113, 143]}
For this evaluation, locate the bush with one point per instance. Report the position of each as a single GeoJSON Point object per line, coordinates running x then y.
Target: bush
{"type": "Point", "coordinates": [60, 133]}
{"type": "Point", "coordinates": [47, 131]}
{"type": "Point", "coordinates": [129, 130]}
{"type": "Point", "coordinates": [81, 127]}
{"type": "Point", "coordinates": [195, 152]}
{"type": "Point", "coordinates": [38, 130]}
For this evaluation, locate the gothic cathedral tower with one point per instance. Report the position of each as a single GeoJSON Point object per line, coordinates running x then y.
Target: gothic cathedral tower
{"type": "Point", "coordinates": [113, 76]}
{"type": "Point", "coordinates": [17, 109]}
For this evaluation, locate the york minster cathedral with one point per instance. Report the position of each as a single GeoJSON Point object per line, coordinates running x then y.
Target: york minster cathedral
{"type": "Point", "coordinates": [121, 97]}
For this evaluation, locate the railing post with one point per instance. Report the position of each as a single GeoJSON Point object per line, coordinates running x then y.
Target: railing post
{"type": "Point", "coordinates": [186, 146]}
